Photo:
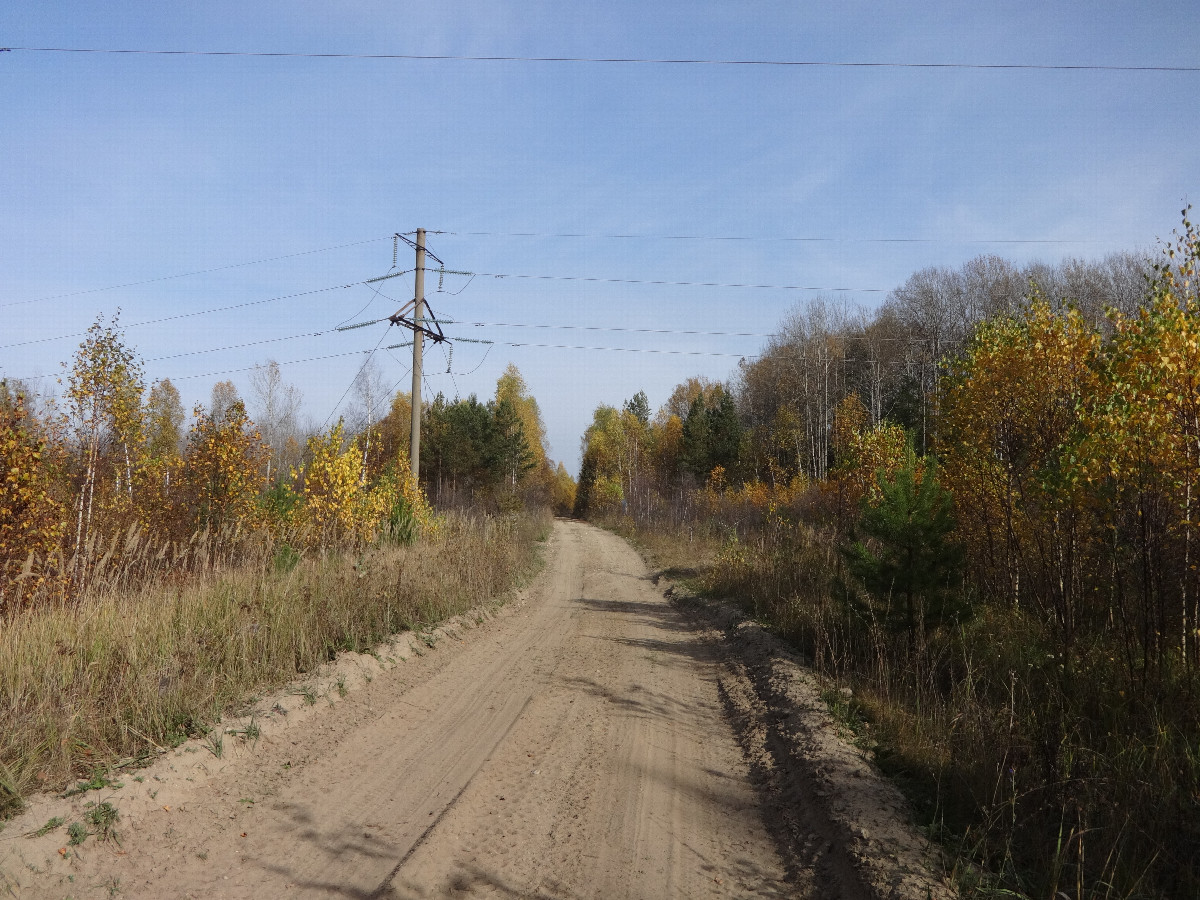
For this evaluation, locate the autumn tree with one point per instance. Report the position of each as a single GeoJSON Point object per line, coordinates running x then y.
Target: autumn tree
{"type": "Point", "coordinates": [32, 520]}
{"type": "Point", "coordinates": [370, 391]}
{"type": "Point", "coordinates": [331, 479]}
{"type": "Point", "coordinates": [223, 470]}
{"type": "Point", "coordinates": [1011, 421]}
{"type": "Point", "coordinates": [222, 398]}
{"type": "Point", "coordinates": [161, 456]}
{"type": "Point", "coordinates": [863, 456]}
{"type": "Point", "coordinates": [1143, 453]}
{"type": "Point", "coordinates": [562, 492]}
{"type": "Point", "coordinates": [104, 421]}
{"type": "Point", "coordinates": [510, 447]}
{"type": "Point", "coordinates": [394, 432]}
{"type": "Point", "coordinates": [665, 440]}
{"type": "Point", "coordinates": [164, 422]}
{"type": "Point", "coordinates": [679, 403]}
{"type": "Point", "coordinates": [275, 405]}
{"type": "Point", "coordinates": [512, 388]}
{"type": "Point", "coordinates": [607, 462]}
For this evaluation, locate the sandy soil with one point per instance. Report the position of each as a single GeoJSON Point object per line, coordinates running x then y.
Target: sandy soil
{"type": "Point", "coordinates": [590, 738]}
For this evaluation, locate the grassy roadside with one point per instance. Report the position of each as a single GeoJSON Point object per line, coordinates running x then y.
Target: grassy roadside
{"type": "Point", "coordinates": [109, 678]}
{"type": "Point", "coordinates": [1037, 780]}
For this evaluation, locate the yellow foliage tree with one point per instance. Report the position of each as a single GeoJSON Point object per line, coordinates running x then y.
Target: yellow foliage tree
{"type": "Point", "coordinates": [863, 455]}
{"type": "Point", "coordinates": [337, 506]}
{"type": "Point", "coordinates": [1010, 424]}
{"type": "Point", "coordinates": [31, 519]}
{"type": "Point", "coordinates": [103, 417]}
{"type": "Point", "coordinates": [1144, 437]}
{"type": "Point", "coordinates": [562, 491]}
{"type": "Point", "coordinates": [331, 480]}
{"type": "Point", "coordinates": [223, 471]}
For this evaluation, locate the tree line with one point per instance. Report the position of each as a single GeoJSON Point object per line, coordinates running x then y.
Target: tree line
{"type": "Point", "coordinates": [983, 496]}
{"type": "Point", "coordinates": [92, 477]}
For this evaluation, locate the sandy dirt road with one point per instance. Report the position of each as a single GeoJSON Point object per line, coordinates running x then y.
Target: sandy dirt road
{"type": "Point", "coordinates": [574, 746]}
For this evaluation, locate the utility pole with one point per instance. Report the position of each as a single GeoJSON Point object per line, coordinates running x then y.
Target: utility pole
{"type": "Point", "coordinates": [414, 452]}
{"type": "Point", "coordinates": [423, 324]}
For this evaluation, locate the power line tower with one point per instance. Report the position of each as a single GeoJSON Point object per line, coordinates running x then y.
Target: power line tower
{"type": "Point", "coordinates": [419, 322]}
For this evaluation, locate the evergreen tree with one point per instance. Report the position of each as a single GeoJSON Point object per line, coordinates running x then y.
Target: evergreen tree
{"type": "Point", "coordinates": [909, 563]}
{"type": "Point", "coordinates": [697, 436]}
{"type": "Point", "coordinates": [712, 434]}
{"type": "Point", "coordinates": [639, 408]}
{"type": "Point", "coordinates": [457, 443]}
{"type": "Point", "coordinates": [587, 480]}
{"type": "Point", "coordinates": [724, 433]}
{"type": "Point", "coordinates": [510, 450]}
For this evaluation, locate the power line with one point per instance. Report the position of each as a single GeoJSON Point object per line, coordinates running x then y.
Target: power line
{"type": "Point", "coordinates": [361, 369]}
{"type": "Point", "coordinates": [254, 262]}
{"type": "Point", "coordinates": [772, 356]}
{"type": "Point", "coordinates": [628, 350]}
{"type": "Point", "coordinates": [370, 283]}
{"type": "Point", "coordinates": [617, 60]}
{"type": "Point", "coordinates": [661, 237]}
{"type": "Point", "coordinates": [277, 340]}
{"type": "Point", "coordinates": [758, 334]}
{"type": "Point", "coordinates": [293, 362]}
{"type": "Point", "coordinates": [538, 325]}
{"type": "Point", "coordinates": [187, 315]}
{"type": "Point", "coordinates": [816, 239]}
{"type": "Point", "coordinates": [661, 282]}
{"type": "Point", "coordinates": [290, 362]}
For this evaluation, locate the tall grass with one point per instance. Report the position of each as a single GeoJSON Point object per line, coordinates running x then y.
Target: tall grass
{"type": "Point", "coordinates": [1041, 779]}
{"type": "Point", "coordinates": [143, 661]}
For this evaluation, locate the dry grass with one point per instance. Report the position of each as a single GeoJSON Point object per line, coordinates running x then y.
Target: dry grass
{"type": "Point", "coordinates": [684, 555]}
{"type": "Point", "coordinates": [1039, 780]}
{"type": "Point", "coordinates": [125, 670]}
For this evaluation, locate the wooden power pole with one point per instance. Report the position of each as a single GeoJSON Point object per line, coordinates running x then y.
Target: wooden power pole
{"type": "Point", "coordinates": [414, 449]}
{"type": "Point", "coordinates": [423, 324]}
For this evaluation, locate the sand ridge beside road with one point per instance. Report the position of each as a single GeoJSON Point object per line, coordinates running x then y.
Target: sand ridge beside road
{"type": "Point", "coordinates": [579, 744]}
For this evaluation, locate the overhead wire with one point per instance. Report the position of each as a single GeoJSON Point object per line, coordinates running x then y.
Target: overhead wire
{"type": "Point", "coordinates": [621, 349]}
{"type": "Point", "coordinates": [663, 282]}
{"type": "Point", "coordinates": [774, 238]}
{"type": "Point", "coordinates": [627, 329]}
{"type": "Point", "coordinates": [666, 237]}
{"type": "Point", "coordinates": [253, 262]}
{"type": "Point", "coordinates": [290, 362]}
{"type": "Point", "coordinates": [188, 315]}
{"type": "Point", "coordinates": [480, 363]}
{"type": "Point", "coordinates": [618, 60]}
{"type": "Point", "coordinates": [451, 339]}
{"type": "Point", "coordinates": [407, 371]}
{"type": "Point", "coordinates": [292, 337]}
{"type": "Point", "coordinates": [622, 328]}
{"type": "Point", "coordinates": [779, 357]}
{"type": "Point", "coordinates": [354, 379]}
{"type": "Point", "coordinates": [370, 283]}
{"type": "Point", "coordinates": [460, 339]}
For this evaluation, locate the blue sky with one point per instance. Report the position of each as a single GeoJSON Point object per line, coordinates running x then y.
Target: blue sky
{"type": "Point", "coordinates": [118, 169]}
